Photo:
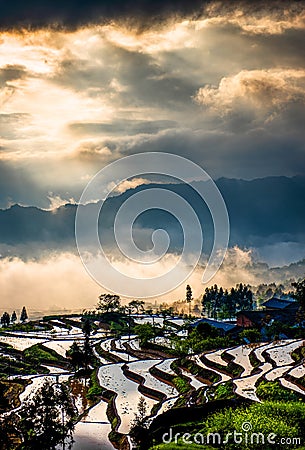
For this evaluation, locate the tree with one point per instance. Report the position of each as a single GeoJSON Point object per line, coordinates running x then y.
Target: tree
{"type": "Point", "coordinates": [299, 295]}
{"type": "Point", "coordinates": [137, 305]}
{"type": "Point", "coordinates": [5, 319]}
{"type": "Point", "coordinates": [23, 315]}
{"type": "Point", "coordinates": [189, 296]}
{"type": "Point", "coordinates": [81, 356]}
{"type": "Point", "coordinates": [87, 328]}
{"type": "Point", "coordinates": [276, 329]}
{"type": "Point", "coordinates": [251, 335]}
{"type": "Point", "coordinates": [139, 426]}
{"type": "Point", "coordinates": [47, 417]}
{"type": "Point", "coordinates": [76, 355]}
{"type": "Point", "coordinates": [210, 301]}
{"type": "Point", "coordinates": [206, 330]}
{"type": "Point", "coordinates": [244, 297]}
{"type": "Point", "coordinates": [14, 317]}
{"type": "Point", "coordinates": [88, 353]}
{"type": "Point", "coordinates": [219, 303]}
{"type": "Point", "coordinates": [141, 413]}
{"type": "Point", "coordinates": [145, 332]}
{"type": "Point", "coordinates": [108, 302]}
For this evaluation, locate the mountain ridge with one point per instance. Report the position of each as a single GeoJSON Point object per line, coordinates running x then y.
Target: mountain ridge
{"type": "Point", "coordinates": [262, 211]}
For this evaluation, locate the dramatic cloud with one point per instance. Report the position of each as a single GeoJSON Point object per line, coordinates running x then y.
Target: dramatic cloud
{"type": "Point", "coordinates": [272, 17]}
{"type": "Point", "coordinates": [263, 93]}
{"type": "Point", "coordinates": [56, 201]}
{"type": "Point", "coordinates": [83, 84]}
{"type": "Point", "coordinates": [93, 11]}
{"type": "Point", "coordinates": [145, 13]}
{"type": "Point", "coordinates": [217, 87]}
{"type": "Point", "coordinates": [130, 184]}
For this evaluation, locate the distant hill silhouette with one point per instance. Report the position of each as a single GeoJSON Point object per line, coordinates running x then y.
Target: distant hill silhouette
{"type": "Point", "coordinates": [261, 211]}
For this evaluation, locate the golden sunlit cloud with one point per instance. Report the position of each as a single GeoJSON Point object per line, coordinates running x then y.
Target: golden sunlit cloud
{"type": "Point", "coordinates": [264, 90]}
{"type": "Point", "coordinates": [85, 76]}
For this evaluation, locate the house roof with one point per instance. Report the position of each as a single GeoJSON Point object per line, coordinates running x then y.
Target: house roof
{"type": "Point", "coordinates": [225, 326]}
{"type": "Point", "coordinates": [278, 303]}
{"type": "Point", "coordinates": [256, 317]}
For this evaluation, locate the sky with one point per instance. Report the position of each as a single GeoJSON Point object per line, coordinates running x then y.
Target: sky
{"type": "Point", "coordinates": [83, 84]}
{"type": "Point", "coordinates": [223, 85]}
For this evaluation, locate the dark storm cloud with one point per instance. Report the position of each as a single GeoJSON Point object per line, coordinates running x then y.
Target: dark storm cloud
{"type": "Point", "coordinates": [170, 78]}
{"type": "Point", "coordinates": [142, 81]}
{"type": "Point", "coordinates": [74, 13]}
{"type": "Point", "coordinates": [71, 14]}
{"type": "Point", "coordinates": [266, 48]}
{"type": "Point", "coordinates": [243, 154]}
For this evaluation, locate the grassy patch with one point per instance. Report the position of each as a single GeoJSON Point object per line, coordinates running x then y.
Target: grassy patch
{"type": "Point", "coordinates": [196, 370]}
{"type": "Point", "coordinates": [299, 354]}
{"type": "Point", "coordinates": [273, 390]}
{"type": "Point", "coordinates": [16, 367]}
{"type": "Point", "coordinates": [27, 327]}
{"type": "Point", "coordinates": [180, 446]}
{"type": "Point", "coordinates": [38, 354]}
{"type": "Point", "coordinates": [254, 361]}
{"type": "Point", "coordinates": [95, 390]}
{"type": "Point", "coordinates": [231, 368]}
{"type": "Point", "coordinates": [224, 391]}
{"type": "Point", "coordinates": [280, 419]}
{"type": "Point", "coordinates": [181, 384]}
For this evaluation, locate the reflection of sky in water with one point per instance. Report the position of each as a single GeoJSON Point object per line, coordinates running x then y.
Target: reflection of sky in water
{"type": "Point", "coordinates": [89, 436]}
{"type": "Point", "coordinates": [142, 368]}
{"type": "Point", "coordinates": [92, 433]}
{"type": "Point", "coordinates": [111, 377]}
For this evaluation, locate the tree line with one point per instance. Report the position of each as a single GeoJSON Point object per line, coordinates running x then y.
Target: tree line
{"type": "Point", "coordinates": [224, 304]}
{"type": "Point", "coordinates": [7, 319]}
{"type": "Point", "coordinates": [112, 303]}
